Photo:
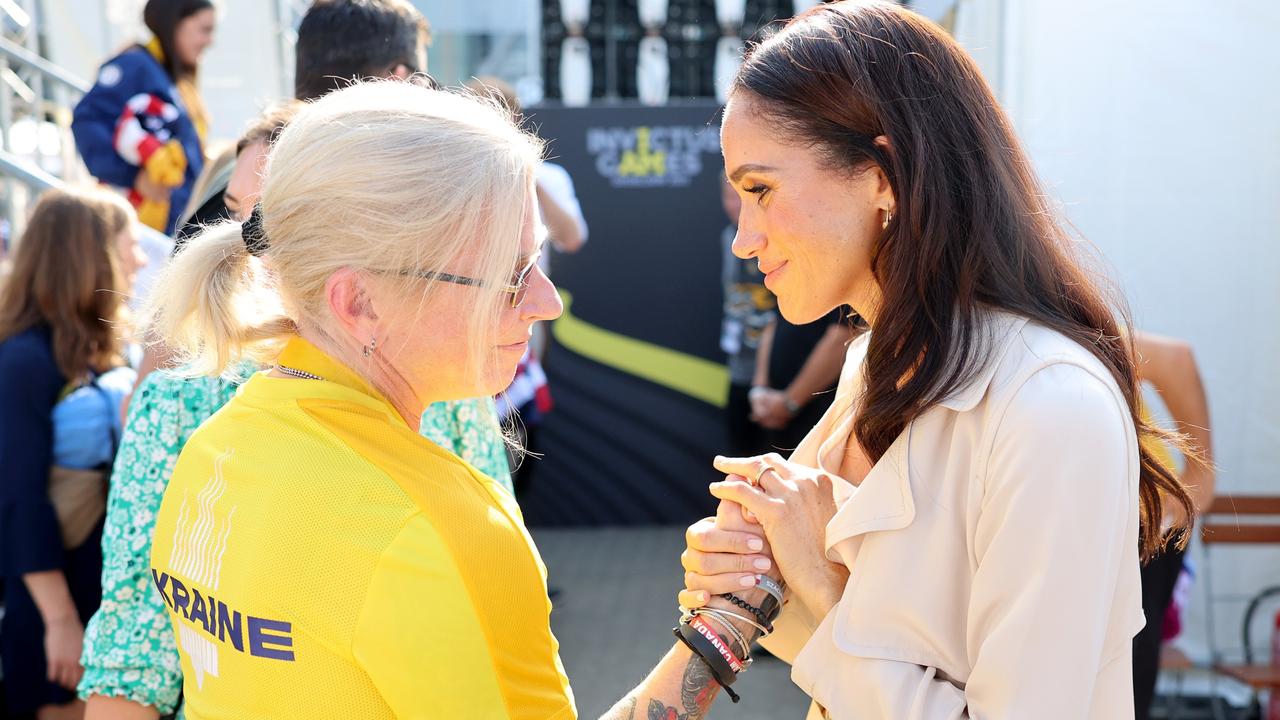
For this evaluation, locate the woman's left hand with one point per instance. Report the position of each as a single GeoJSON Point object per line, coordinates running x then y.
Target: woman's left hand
{"type": "Point", "coordinates": [793, 503]}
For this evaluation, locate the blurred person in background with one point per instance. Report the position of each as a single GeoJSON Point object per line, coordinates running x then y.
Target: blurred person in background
{"type": "Point", "coordinates": [1169, 366]}
{"type": "Point", "coordinates": [749, 309]}
{"type": "Point", "coordinates": [131, 667]}
{"type": "Point", "coordinates": [142, 125]}
{"type": "Point", "coordinates": [206, 205]}
{"type": "Point", "coordinates": [558, 207]}
{"type": "Point", "coordinates": [344, 40]}
{"type": "Point", "coordinates": [61, 329]}
{"type": "Point", "coordinates": [797, 367]}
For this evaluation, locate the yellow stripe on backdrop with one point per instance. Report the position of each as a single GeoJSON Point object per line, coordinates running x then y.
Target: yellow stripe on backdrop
{"type": "Point", "coordinates": [687, 374]}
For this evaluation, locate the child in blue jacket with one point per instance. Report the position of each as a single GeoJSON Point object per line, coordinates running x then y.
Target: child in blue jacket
{"type": "Point", "coordinates": [142, 125]}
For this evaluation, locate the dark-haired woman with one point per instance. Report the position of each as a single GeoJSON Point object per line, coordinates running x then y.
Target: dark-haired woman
{"type": "Point", "coordinates": [960, 535]}
{"type": "Point", "coordinates": [142, 125]}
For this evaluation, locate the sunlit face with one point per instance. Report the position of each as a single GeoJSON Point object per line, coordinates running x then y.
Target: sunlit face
{"type": "Point", "coordinates": [245, 185]}
{"type": "Point", "coordinates": [810, 227]}
{"type": "Point", "coordinates": [194, 35]}
{"type": "Point", "coordinates": [130, 255]}
{"type": "Point", "coordinates": [431, 345]}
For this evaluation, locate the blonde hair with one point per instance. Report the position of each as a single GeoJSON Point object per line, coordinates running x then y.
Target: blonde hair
{"type": "Point", "coordinates": [385, 177]}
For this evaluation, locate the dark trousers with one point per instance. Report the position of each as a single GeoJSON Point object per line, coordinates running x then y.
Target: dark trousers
{"type": "Point", "coordinates": [746, 438]}
{"type": "Point", "coordinates": [1158, 578]}
{"type": "Point", "coordinates": [26, 685]}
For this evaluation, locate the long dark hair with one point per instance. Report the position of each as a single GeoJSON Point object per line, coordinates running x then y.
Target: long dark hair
{"type": "Point", "coordinates": [971, 228]}
{"type": "Point", "coordinates": [66, 276]}
{"type": "Point", "coordinates": [162, 18]}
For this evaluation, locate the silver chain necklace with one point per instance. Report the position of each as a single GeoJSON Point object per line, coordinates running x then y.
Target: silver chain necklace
{"type": "Point", "coordinates": [300, 374]}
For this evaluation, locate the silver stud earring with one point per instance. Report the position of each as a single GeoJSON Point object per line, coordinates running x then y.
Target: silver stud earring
{"type": "Point", "coordinates": [367, 351]}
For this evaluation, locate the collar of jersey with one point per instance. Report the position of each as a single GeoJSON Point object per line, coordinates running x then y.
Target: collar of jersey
{"type": "Point", "coordinates": [340, 381]}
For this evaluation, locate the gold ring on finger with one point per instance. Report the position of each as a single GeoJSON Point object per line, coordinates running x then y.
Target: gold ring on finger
{"type": "Point", "coordinates": [756, 480]}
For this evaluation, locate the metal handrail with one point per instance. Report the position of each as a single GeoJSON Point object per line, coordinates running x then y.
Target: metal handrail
{"type": "Point", "coordinates": [16, 168]}
{"type": "Point", "coordinates": [14, 51]}
{"type": "Point", "coordinates": [32, 175]}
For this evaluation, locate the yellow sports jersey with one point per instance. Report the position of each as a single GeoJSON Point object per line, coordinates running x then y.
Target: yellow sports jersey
{"type": "Point", "coordinates": [320, 559]}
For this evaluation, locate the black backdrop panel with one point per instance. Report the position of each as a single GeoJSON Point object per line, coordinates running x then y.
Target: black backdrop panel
{"type": "Point", "coordinates": [620, 449]}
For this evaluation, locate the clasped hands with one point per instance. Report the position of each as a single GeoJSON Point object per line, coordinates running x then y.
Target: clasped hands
{"type": "Point", "coordinates": [771, 520]}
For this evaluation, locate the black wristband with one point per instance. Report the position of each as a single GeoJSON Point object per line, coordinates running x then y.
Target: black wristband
{"type": "Point", "coordinates": [759, 614]}
{"type": "Point", "coordinates": [702, 649]}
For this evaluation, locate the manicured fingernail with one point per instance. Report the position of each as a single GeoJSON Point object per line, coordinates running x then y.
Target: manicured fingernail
{"type": "Point", "coordinates": [756, 544]}
{"type": "Point", "coordinates": [703, 598]}
{"type": "Point", "coordinates": [748, 581]}
{"type": "Point", "coordinates": [761, 563]}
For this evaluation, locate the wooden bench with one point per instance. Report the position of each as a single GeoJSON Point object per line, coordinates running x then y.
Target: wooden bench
{"type": "Point", "coordinates": [1223, 525]}
{"type": "Point", "coordinates": [1222, 522]}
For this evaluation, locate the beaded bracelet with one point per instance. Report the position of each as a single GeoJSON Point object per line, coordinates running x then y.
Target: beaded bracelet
{"type": "Point", "coordinates": [760, 615]}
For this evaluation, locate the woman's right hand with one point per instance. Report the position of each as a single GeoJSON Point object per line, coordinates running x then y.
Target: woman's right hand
{"type": "Point", "coordinates": [63, 641]}
{"type": "Point", "coordinates": [150, 189]}
{"type": "Point", "coordinates": [724, 555]}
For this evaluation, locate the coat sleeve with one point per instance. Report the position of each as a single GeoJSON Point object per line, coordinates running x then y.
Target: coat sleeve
{"type": "Point", "coordinates": [98, 115]}
{"type": "Point", "coordinates": [1056, 532]}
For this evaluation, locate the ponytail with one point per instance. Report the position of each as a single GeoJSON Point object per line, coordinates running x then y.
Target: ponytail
{"type": "Point", "coordinates": [213, 306]}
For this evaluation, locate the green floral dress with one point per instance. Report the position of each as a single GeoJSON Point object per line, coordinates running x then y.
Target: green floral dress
{"type": "Point", "coordinates": [469, 429]}
{"type": "Point", "coordinates": [129, 649]}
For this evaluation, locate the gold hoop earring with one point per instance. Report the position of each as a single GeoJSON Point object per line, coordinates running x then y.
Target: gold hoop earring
{"type": "Point", "coordinates": [888, 218]}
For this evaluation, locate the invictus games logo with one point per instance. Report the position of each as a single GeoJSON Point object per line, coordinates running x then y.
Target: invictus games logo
{"type": "Point", "coordinates": [651, 156]}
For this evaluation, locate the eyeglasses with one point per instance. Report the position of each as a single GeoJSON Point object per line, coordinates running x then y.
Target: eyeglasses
{"type": "Point", "coordinates": [518, 288]}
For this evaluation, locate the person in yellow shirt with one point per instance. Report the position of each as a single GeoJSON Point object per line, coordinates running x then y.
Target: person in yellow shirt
{"type": "Point", "coordinates": [319, 558]}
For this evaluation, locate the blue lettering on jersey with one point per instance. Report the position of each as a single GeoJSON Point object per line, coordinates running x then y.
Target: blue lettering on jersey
{"type": "Point", "coordinates": [270, 639]}
{"type": "Point", "coordinates": [180, 596]}
{"type": "Point", "coordinates": [260, 638]}
{"type": "Point", "coordinates": [198, 613]}
{"type": "Point", "coordinates": [229, 625]}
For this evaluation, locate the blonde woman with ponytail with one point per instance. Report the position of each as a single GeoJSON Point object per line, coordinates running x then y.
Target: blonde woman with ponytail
{"type": "Point", "coordinates": [318, 557]}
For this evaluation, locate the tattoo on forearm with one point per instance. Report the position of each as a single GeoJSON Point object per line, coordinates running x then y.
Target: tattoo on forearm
{"type": "Point", "coordinates": [697, 690]}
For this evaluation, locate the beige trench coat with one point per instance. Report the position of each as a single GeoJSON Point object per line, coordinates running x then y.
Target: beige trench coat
{"type": "Point", "coordinates": [993, 550]}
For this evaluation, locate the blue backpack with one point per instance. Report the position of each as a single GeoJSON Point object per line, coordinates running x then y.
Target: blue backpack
{"type": "Point", "coordinates": [86, 423]}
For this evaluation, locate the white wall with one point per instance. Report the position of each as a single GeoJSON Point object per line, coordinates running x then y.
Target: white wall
{"type": "Point", "coordinates": [1155, 123]}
